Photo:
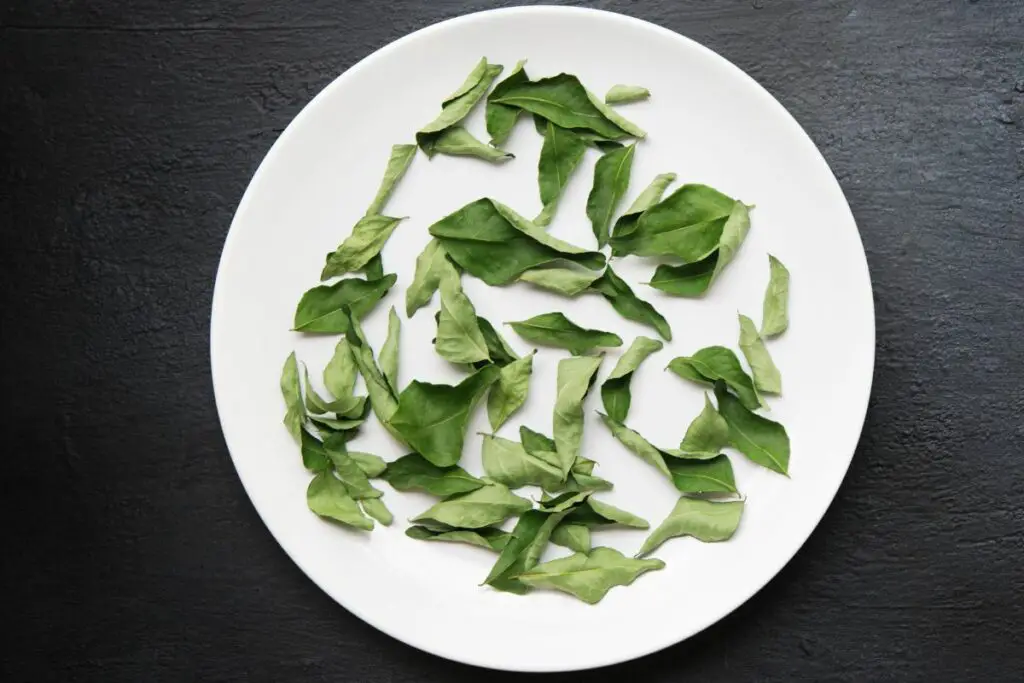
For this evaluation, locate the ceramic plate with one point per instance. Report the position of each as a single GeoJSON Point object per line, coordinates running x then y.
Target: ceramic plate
{"type": "Point", "coordinates": [708, 122]}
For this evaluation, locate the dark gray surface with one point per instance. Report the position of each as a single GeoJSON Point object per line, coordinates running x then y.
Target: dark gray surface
{"type": "Point", "coordinates": [128, 132]}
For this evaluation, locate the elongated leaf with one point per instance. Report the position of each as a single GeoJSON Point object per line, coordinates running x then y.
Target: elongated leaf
{"type": "Point", "coordinates": [374, 268]}
{"type": "Point", "coordinates": [458, 104]}
{"type": "Point", "coordinates": [367, 239]}
{"type": "Point", "coordinates": [615, 393]}
{"type": "Point", "coordinates": [688, 279]}
{"type": "Point", "coordinates": [611, 181]}
{"type": "Point", "coordinates": [650, 196]}
{"type": "Point", "coordinates": [314, 456]}
{"type": "Point", "coordinates": [382, 397]}
{"type": "Point", "coordinates": [775, 315]}
{"type": "Point", "coordinates": [575, 377]}
{"type": "Point", "coordinates": [457, 141]}
{"type": "Point", "coordinates": [431, 266]}
{"type": "Point", "coordinates": [491, 242]}
{"type": "Point", "coordinates": [702, 476]}
{"type": "Point", "coordinates": [459, 339]}
{"type": "Point", "coordinates": [560, 155]}
{"type": "Point", "coordinates": [766, 376]}
{"type": "Point", "coordinates": [575, 537]}
{"type": "Point", "coordinates": [327, 497]}
{"type": "Point", "coordinates": [564, 101]}
{"type": "Point", "coordinates": [371, 465]}
{"type": "Point", "coordinates": [489, 538]}
{"type": "Point", "coordinates": [291, 391]}
{"type": "Point", "coordinates": [735, 230]}
{"type": "Point", "coordinates": [398, 164]}
{"type": "Point", "coordinates": [704, 520]}
{"type": "Point", "coordinates": [479, 72]}
{"type": "Point", "coordinates": [523, 550]}
{"type": "Point", "coordinates": [486, 506]}
{"type": "Point", "coordinates": [347, 407]}
{"type": "Point", "coordinates": [707, 435]}
{"type": "Point", "coordinates": [501, 118]}
{"type": "Point", "coordinates": [762, 441]}
{"type": "Point", "coordinates": [631, 307]}
{"type": "Point", "coordinates": [565, 281]}
{"type": "Point", "coordinates": [615, 117]}
{"type": "Point", "coordinates": [322, 308]}
{"type": "Point", "coordinates": [501, 354]}
{"type": "Point", "coordinates": [349, 472]}
{"type": "Point", "coordinates": [508, 463]}
{"type": "Point", "coordinates": [341, 371]}
{"type": "Point", "coordinates": [327, 426]}
{"type": "Point", "coordinates": [432, 418]}
{"type": "Point", "coordinates": [508, 394]}
{"type": "Point", "coordinates": [536, 443]}
{"type": "Point", "coordinates": [593, 513]}
{"type": "Point", "coordinates": [413, 472]}
{"type": "Point", "coordinates": [718, 363]}
{"type": "Point", "coordinates": [624, 94]}
{"type": "Point", "coordinates": [375, 507]}
{"type": "Point", "coordinates": [637, 444]}
{"type": "Point", "coordinates": [554, 329]}
{"type": "Point", "coordinates": [389, 350]}
{"type": "Point", "coordinates": [589, 577]}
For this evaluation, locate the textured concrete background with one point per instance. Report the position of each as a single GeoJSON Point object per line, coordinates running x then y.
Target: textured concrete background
{"type": "Point", "coordinates": [128, 132]}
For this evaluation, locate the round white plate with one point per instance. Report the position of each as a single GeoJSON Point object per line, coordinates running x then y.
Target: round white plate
{"type": "Point", "coordinates": [706, 121]}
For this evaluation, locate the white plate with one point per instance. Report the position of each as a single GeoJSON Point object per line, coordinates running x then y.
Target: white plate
{"type": "Point", "coordinates": [708, 122]}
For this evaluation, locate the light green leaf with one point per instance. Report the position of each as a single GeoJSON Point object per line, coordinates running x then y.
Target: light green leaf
{"type": "Point", "coordinates": [459, 142]}
{"type": "Point", "coordinates": [560, 155]}
{"type": "Point", "coordinates": [637, 444]}
{"type": "Point", "coordinates": [775, 315]}
{"type": "Point", "coordinates": [327, 497]}
{"type": "Point", "coordinates": [554, 329]}
{"type": "Point", "coordinates": [575, 377]}
{"type": "Point", "coordinates": [589, 577]}
{"type": "Point", "coordinates": [762, 441]}
{"type": "Point", "coordinates": [375, 507]}
{"type": "Point", "coordinates": [314, 456]}
{"type": "Point", "coordinates": [432, 418]}
{"type": "Point", "coordinates": [489, 538]}
{"type": "Point", "coordinates": [291, 391]}
{"type": "Point", "coordinates": [714, 363]}
{"type": "Point", "coordinates": [564, 280]}
{"type": "Point", "coordinates": [322, 308]}
{"type": "Point", "coordinates": [414, 473]}
{"type": "Point", "coordinates": [704, 520]}
{"type": "Point", "coordinates": [371, 465]}
{"type": "Point", "coordinates": [593, 513]}
{"type": "Point", "coordinates": [486, 506]}
{"type": "Point", "coordinates": [650, 196]}
{"type": "Point", "coordinates": [625, 94]}
{"type": "Point", "coordinates": [478, 73]}
{"type": "Point", "coordinates": [523, 550]}
{"type": "Point", "coordinates": [341, 371]}
{"type": "Point", "coordinates": [459, 339]}
{"type": "Point", "coordinates": [326, 426]}
{"type": "Point", "coordinates": [382, 397]}
{"type": "Point", "coordinates": [389, 351]}
{"type": "Point", "coordinates": [615, 393]}
{"type": "Point", "coordinates": [702, 476]}
{"type": "Point", "coordinates": [508, 463]}
{"type": "Point", "coordinates": [501, 118]}
{"type": "Point", "coordinates": [508, 394]}
{"type": "Point", "coordinates": [575, 537]}
{"type": "Point", "coordinates": [707, 435]}
{"type": "Point", "coordinates": [349, 472]}
{"type": "Point", "coordinates": [398, 164]}
{"type": "Point", "coordinates": [766, 376]}
{"type": "Point", "coordinates": [611, 181]}
{"type": "Point", "coordinates": [615, 117]}
{"type": "Point", "coordinates": [733, 233]}
{"type": "Point", "coordinates": [367, 239]}
{"type": "Point", "coordinates": [432, 265]}
{"type": "Point", "coordinates": [347, 407]}
{"type": "Point", "coordinates": [458, 104]}
{"type": "Point", "coordinates": [631, 307]}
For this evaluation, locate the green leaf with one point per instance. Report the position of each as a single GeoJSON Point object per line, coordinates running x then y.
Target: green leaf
{"type": "Point", "coordinates": [374, 268]}
{"type": "Point", "coordinates": [775, 315]}
{"type": "Point", "coordinates": [346, 407]}
{"type": "Point", "coordinates": [733, 233]}
{"type": "Point", "coordinates": [508, 394]}
{"type": "Point", "coordinates": [688, 279]}
{"type": "Point", "coordinates": [650, 196]}
{"type": "Point", "coordinates": [371, 465]}
{"type": "Point", "coordinates": [554, 329]}
{"type": "Point", "coordinates": [565, 281]}
{"type": "Point", "coordinates": [340, 372]}
{"type": "Point", "coordinates": [432, 265]}
{"type": "Point", "coordinates": [327, 497]}
{"type": "Point", "coordinates": [702, 476]}
{"type": "Point", "coordinates": [564, 101]}
{"type": "Point", "coordinates": [413, 472]}
{"type": "Point", "coordinates": [687, 224]}
{"type": "Point", "coordinates": [314, 456]}
{"type": "Point", "coordinates": [611, 180]}
{"type": "Point", "coordinates": [389, 351]}
{"type": "Point", "coordinates": [322, 308]}
{"type": "Point", "coordinates": [561, 154]}
{"type": "Point", "coordinates": [457, 105]}
{"type": "Point", "coordinates": [348, 471]}
{"type": "Point", "coordinates": [382, 397]}
{"type": "Point", "coordinates": [432, 418]}
{"type": "Point", "coordinates": [589, 577]}
{"type": "Point", "coordinates": [575, 537]}
{"type": "Point", "coordinates": [523, 550]}
{"type": "Point", "coordinates": [291, 391]}
{"type": "Point", "coordinates": [766, 376]}
{"type": "Point", "coordinates": [718, 363]}
{"type": "Point", "coordinates": [501, 354]}
{"type": "Point", "coordinates": [707, 435]}
{"type": "Point", "coordinates": [489, 538]}
{"type": "Point", "coordinates": [575, 377]}
{"type": "Point", "coordinates": [479, 73]}
{"type": "Point", "coordinates": [594, 513]}
{"type": "Point", "coordinates": [624, 94]}
{"type": "Point", "coordinates": [762, 441]}
{"type": "Point", "coordinates": [375, 507]}
{"type": "Point", "coordinates": [459, 142]}
{"type": "Point", "coordinates": [704, 520]}
{"type": "Point", "coordinates": [615, 290]}
{"type": "Point", "coordinates": [615, 393]}
{"type": "Point", "coordinates": [508, 463]}
{"type": "Point", "coordinates": [398, 164]}
{"type": "Point", "coordinates": [486, 506]}
{"type": "Point", "coordinates": [536, 443]}
{"type": "Point", "coordinates": [501, 118]}
{"type": "Point", "coordinates": [615, 117]}
{"type": "Point", "coordinates": [459, 339]}
{"type": "Point", "coordinates": [326, 426]}
{"type": "Point", "coordinates": [492, 242]}
{"type": "Point", "coordinates": [367, 239]}
{"type": "Point", "coordinates": [637, 444]}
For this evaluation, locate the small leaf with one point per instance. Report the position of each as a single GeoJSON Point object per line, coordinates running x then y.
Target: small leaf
{"type": "Point", "coordinates": [561, 154]}
{"type": "Point", "coordinates": [508, 394]}
{"type": "Point", "coordinates": [457, 141]}
{"type": "Point", "coordinates": [371, 465]}
{"type": "Point", "coordinates": [564, 281]}
{"type": "Point", "coordinates": [637, 444]}
{"type": "Point", "coordinates": [535, 442]}
{"type": "Point", "coordinates": [486, 506]}
{"type": "Point", "coordinates": [625, 94]}
{"type": "Point", "coordinates": [314, 456]}
{"type": "Point", "coordinates": [414, 473]}
{"type": "Point", "coordinates": [489, 538]}
{"type": "Point", "coordinates": [432, 265]}
{"type": "Point", "coordinates": [615, 393]}
{"type": "Point", "coordinates": [689, 279]}
{"type": "Point", "coordinates": [291, 391]}
{"type": "Point", "coordinates": [575, 377]}
{"type": "Point", "coordinates": [708, 434]}
{"type": "Point", "coordinates": [501, 118]}
{"type": "Point", "coordinates": [650, 196]}
{"type": "Point", "coordinates": [389, 351]}
{"type": "Point", "coordinates": [458, 104]}
{"type": "Point", "coordinates": [382, 397]}
{"type": "Point", "coordinates": [589, 577]}
{"type": "Point", "coordinates": [766, 376]}
{"type": "Point", "coordinates": [375, 507]}
{"type": "Point", "coordinates": [327, 497]}
{"type": "Point", "coordinates": [341, 371]}
{"type": "Point", "coordinates": [554, 329]}
{"type": "Point", "coordinates": [594, 513]}
{"type": "Point", "coordinates": [775, 315]}
{"type": "Point", "coordinates": [616, 118]}
{"type": "Point", "coordinates": [704, 520]}
{"type": "Point", "coordinates": [615, 290]}
{"type": "Point", "coordinates": [367, 239]}
{"type": "Point", "coordinates": [611, 180]}
{"type": "Point", "coordinates": [323, 308]}
{"type": "Point", "coordinates": [508, 463]}
{"type": "Point", "coordinates": [704, 476]}
{"type": "Point", "coordinates": [350, 474]}
{"type": "Point", "coordinates": [398, 164]}
{"type": "Point", "coordinates": [718, 363]}
{"type": "Point", "coordinates": [733, 233]}
{"type": "Point", "coordinates": [575, 537]}
{"type": "Point", "coordinates": [459, 339]}
{"type": "Point", "coordinates": [374, 268]}
{"type": "Point", "coordinates": [501, 354]}
{"type": "Point", "coordinates": [523, 550]}
{"type": "Point", "coordinates": [762, 441]}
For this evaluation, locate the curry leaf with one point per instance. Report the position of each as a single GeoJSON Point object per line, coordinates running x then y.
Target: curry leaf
{"type": "Point", "coordinates": [575, 377]}
{"type": "Point", "coordinates": [611, 180]}
{"type": "Point", "coordinates": [501, 118]}
{"type": "Point", "coordinates": [775, 314]}
{"type": "Point", "coordinates": [631, 307]}
{"type": "Point", "coordinates": [327, 497]}
{"type": "Point", "coordinates": [314, 456]}
{"type": "Point", "coordinates": [702, 476]}
{"type": "Point", "coordinates": [735, 230]}
{"type": "Point", "coordinates": [457, 105]}
{"type": "Point", "coordinates": [375, 507]}
{"type": "Point", "coordinates": [554, 329]}
{"type": "Point", "coordinates": [508, 463]}
{"type": "Point", "coordinates": [508, 394]}
{"type": "Point", "coordinates": [457, 141]}
{"type": "Point", "coordinates": [594, 513]}
{"type": "Point", "coordinates": [382, 396]}
{"type": "Point", "coordinates": [340, 372]}
{"type": "Point", "coordinates": [459, 339]}
{"type": "Point", "coordinates": [615, 117]}
{"type": "Point", "coordinates": [398, 164]}
{"type": "Point", "coordinates": [347, 407]}
{"type": "Point", "coordinates": [349, 472]}
{"type": "Point", "coordinates": [766, 376]}
{"type": "Point", "coordinates": [374, 268]}
{"type": "Point", "coordinates": [615, 393]}
{"type": "Point", "coordinates": [589, 577]}
{"type": "Point", "coordinates": [560, 155]}
{"type": "Point", "coordinates": [322, 308]}
{"type": "Point", "coordinates": [575, 537]}
{"type": "Point", "coordinates": [367, 239]}
{"type": "Point", "coordinates": [389, 351]}
{"type": "Point", "coordinates": [326, 426]}
{"type": "Point", "coordinates": [371, 465]}
{"type": "Point", "coordinates": [651, 195]}
{"type": "Point", "coordinates": [637, 444]}
{"type": "Point", "coordinates": [561, 280]}
{"type": "Point", "coordinates": [489, 538]}
{"type": "Point", "coordinates": [707, 435]}
{"type": "Point", "coordinates": [291, 390]}
{"type": "Point", "coordinates": [624, 94]}
{"type": "Point", "coordinates": [486, 506]}
{"type": "Point", "coordinates": [414, 473]}
{"type": "Point", "coordinates": [432, 418]}
{"type": "Point", "coordinates": [704, 520]}
{"type": "Point", "coordinates": [432, 265]}
{"type": "Point", "coordinates": [501, 354]}
{"type": "Point", "coordinates": [523, 550]}
{"type": "Point", "coordinates": [763, 441]}
{"type": "Point", "coordinates": [718, 363]}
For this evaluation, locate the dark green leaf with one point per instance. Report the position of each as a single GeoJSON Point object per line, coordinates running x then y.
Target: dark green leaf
{"type": "Point", "coordinates": [775, 315]}
{"type": "Point", "coordinates": [501, 354]}
{"type": "Point", "coordinates": [631, 307]}
{"type": "Point", "coordinates": [718, 363]}
{"type": "Point", "coordinates": [489, 538]}
{"type": "Point", "coordinates": [327, 497]}
{"type": "Point", "coordinates": [611, 180]}
{"type": "Point", "coordinates": [615, 393]}
{"type": "Point", "coordinates": [766, 376]}
{"type": "Point", "coordinates": [501, 118]}
{"type": "Point", "coordinates": [704, 520]}
{"type": "Point", "coordinates": [414, 473]}
{"type": "Point", "coordinates": [486, 506]}
{"type": "Point", "coordinates": [624, 94]}
{"type": "Point", "coordinates": [322, 309]}
{"type": "Point", "coordinates": [594, 513]}
{"type": "Point", "coordinates": [763, 441]}
{"type": "Point", "coordinates": [688, 279]}
{"type": "Point", "coordinates": [588, 577]}
{"type": "Point", "coordinates": [646, 199]}
{"type": "Point", "coordinates": [398, 164]}
{"type": "Point", "coordinates": [702, 476]}
{"type": "Point", "coordinates": [367, 239]}
{"type": "Point", "coordinates": [561, 154]}
{"type": "Point", "coordinates": [314, 457]}
{"type": "Point", "coordinates": [554, 329]}
{"type": "Point", "coordinates": [523, 550]}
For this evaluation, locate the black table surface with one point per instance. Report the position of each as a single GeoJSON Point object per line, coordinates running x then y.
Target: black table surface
{"type": "Point", "coordinates": [128, 132]}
